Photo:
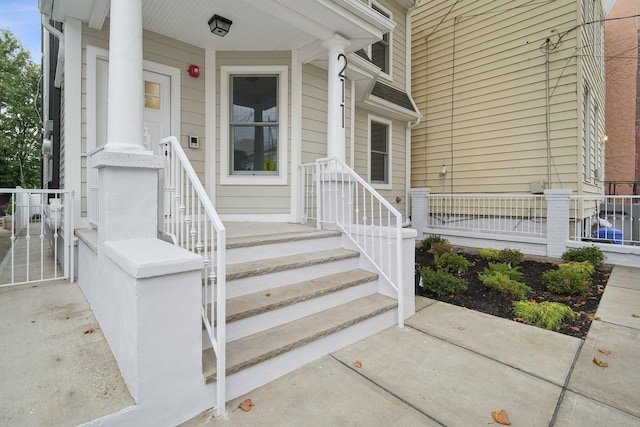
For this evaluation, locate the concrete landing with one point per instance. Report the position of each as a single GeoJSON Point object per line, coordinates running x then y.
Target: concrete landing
{"type": "Point", "coordinates": [53, 370]}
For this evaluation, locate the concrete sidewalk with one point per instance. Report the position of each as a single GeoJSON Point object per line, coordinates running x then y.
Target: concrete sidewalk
{"type": "Point", "coordinates": [451, 366]}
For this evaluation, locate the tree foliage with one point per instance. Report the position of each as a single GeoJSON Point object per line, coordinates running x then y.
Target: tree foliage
{"type": "Point", "coordinates": [20, 122]}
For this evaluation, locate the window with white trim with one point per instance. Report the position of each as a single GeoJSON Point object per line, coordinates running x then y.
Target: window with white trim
{"type": "Point", "coordinates": [380, 51]}
{"type": "Point", "coordinates": [253, 125]}
{"type": "Point", "coordinates": [253, 129]}
{"type": "Point", "coordinates": [380, 152]}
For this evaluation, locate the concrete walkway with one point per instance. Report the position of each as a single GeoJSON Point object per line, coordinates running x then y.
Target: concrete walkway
{"type": "Point", "coordinates": [451, 366]}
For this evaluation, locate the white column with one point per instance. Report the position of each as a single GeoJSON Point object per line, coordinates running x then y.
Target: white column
{"type": "Point", "coordinates": [126, 91]}
{"type": "Point", "coordinates": [336, 83]}
{"type": "Point", "coordinates": [419, 210]}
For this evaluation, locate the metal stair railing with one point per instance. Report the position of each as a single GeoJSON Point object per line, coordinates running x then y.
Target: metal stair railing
{"type": "Point", "coordinates": [189, 220]}
{"type": "Point", "coordinates": [343, 198]}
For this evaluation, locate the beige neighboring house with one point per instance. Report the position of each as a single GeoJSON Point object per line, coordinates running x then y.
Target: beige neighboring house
{"type": "Point", "coordinates": [512, 95]}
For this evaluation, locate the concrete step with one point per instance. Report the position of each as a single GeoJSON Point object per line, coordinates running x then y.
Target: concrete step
{"type": "Point", "coordinates": [263, 346]}
{"type": "Point", "coordinates": [259, 275]}
{"type": "Point", "coordinates": [250, 248]}
{"type": "Point", "coordinates": [249, 314]}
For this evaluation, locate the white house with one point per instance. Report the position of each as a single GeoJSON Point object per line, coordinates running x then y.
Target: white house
{"type": "Point", "coordinates": [171, 121]}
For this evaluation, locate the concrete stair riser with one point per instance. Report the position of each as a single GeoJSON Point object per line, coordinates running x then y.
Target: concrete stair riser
{"type": "Point", "coordinates": [277, 249]}
{"type": "Point", "coordinates": [247, 285]}
{"type": "Point", "coordinates": [261, 322]}
{"type": "Point", "coordinates": [257, 348]}
{"type": "Point", "coordinates": [265, 372]}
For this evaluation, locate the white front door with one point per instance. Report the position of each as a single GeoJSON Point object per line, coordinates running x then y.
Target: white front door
{"type": "Point", "coordinates": [157, 106]}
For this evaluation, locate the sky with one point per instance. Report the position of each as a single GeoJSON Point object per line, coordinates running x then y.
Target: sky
{"type": "Point", "coordinates": [23, 19]}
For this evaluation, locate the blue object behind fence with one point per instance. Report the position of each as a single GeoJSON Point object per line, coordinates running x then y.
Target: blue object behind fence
{"type": "Point", "coordinates": [609, 234]}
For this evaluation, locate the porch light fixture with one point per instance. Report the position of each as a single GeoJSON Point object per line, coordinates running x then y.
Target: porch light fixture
{"type": "Point", "coordinates": [219, 25]}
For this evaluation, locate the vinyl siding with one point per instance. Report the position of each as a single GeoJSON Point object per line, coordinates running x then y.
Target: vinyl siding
{"type": "Point", "coordinates": [251, 199]}
{"type": "Point", "coordinates": [484, 108]}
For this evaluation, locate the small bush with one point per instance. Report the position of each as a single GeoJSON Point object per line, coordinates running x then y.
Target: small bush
{"type": "Point", "coordinates": [439, 248]}
{"type": "Point", "coordinates": [504, 268]}
{"type": "Point", "coordinates": [592, 254]}
{"type": "Point", "coordinates": [429, 241]}
{"type": "Point", "coordinates": [452, 263]}
{"type": "Point", "coordinates": [503, 283]}
{"type": "Point", "coordinates": [489, 254]}
{"type": "Point", "coordinates": [512, 257]}
{"type": "Point", "coordinates": [547, 315]}
{"type": "Point", "coordinates": [442, 283]}
{"type": "Point", "coordinates": [570, 278]}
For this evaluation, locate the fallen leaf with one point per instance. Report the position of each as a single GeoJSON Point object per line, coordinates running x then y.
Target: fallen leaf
{"type": "Point", "coordinates": [268, 294]}
{"type": "Point", "coordinates": [464, 308]}
{"type": "Point", "coordinates": [600, 363]}
{"type": "Point", "coordinates": [603, 351]}
{"type": "Point", "coordinates": [246, 405]}
{"type": "Point", "coordinates": [592, 318]}
{"type": "Point", "coordinates": [600, 289]}
{"type": "Point", "coordinates": [635, 315]}
{"type": "Point", "coordinates": [580, 304]}
{"type": "Point", "coordinates": [518, 319]}
{"type": "Point", "coordinates": [501, 417]}
{"type": "Point", "coordinates": [568, 298]}
{"type": "Point", "coordinates": [533, 301]}
{"type": "Point", "coordinates": [540, 297]}
{"type": "Point", "coordinates": [357, 364]}
{"type": "Point", "coordinates": [89, 331]}
{"type": "Point", "coordinates": [461, 328]}
{"type": "Point", "coordinates": [575, 328]}
{"type": "Point", "coordinates": [580, 313]}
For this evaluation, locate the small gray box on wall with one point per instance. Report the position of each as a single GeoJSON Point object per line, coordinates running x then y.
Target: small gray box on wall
{"type": "Point", "coordinates": [194, 141]}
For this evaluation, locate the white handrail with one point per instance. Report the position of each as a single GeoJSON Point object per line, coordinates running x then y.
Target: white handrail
{"type": "Point", "coordinates": [189, 219]}
{"type": "Point", "coordinates": [363, 215]}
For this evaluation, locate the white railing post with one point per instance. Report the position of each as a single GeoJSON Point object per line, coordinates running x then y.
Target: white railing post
{"type": "Point", "coordinates": [419, 210]}
{"type": "Point", "coordinates": [557, 221]}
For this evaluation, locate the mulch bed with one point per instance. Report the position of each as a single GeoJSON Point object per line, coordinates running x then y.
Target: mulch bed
{"type": "Point", "coordinates": [479, 297]}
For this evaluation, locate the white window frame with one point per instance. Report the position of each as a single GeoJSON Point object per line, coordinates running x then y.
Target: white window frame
{"type": "Point", "coordinates": [226, 178]}
{"type": "Point", "coordinates": [377, 184]}
{"type": "Point", "coordinates": [389, 73]}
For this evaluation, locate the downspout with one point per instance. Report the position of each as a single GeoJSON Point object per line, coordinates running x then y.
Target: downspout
{"type": "Point", "coordinates": [548, 113]}
{"type": "Point", "coordinates": [60, 36]}
{"type": "Point", "coordinates": [410, 125]}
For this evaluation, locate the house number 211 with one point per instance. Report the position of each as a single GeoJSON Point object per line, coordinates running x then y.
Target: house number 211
{"type": "Point", "coordinates": [343, 77]}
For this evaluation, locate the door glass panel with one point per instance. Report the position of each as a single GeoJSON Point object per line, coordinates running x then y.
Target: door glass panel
{"type": "Point", "coordinates": [152, 95]}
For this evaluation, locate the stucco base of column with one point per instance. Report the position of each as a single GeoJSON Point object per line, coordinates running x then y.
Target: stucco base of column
{"type": "Point", "coordinates": [128, 195]}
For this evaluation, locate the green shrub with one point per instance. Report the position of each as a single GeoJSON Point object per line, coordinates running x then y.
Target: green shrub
{"type": "Point", "coordinates": [547, 315]}
{"type": "Point", "coordinates": [504, 268]}
{"type": "Point", "coordinates": [570, 278]}
{"type": "Point", "coordinates": [489, 254]}
{"type": "Point", "coordinates": [592, 254]}
{"type": "Point", "coordinates": [439, 248]}
{"type": "Point", "coordinates": [429, 241]}
{"type": "Point", "coordinates": [442, 283]}
{"type": "Point", "coordinates": [501, 282]}
{"type": "Point", "coordinates": [512, 257]}
{"type": "Point", "coordinates": [452, 263]}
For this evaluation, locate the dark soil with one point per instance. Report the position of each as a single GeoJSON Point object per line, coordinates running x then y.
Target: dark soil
{"type": "Point", "coordinates": [479, 297]}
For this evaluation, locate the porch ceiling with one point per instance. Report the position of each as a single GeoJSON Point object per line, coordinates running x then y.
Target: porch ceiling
{"type": "Point", "coordinates": [260, 25]}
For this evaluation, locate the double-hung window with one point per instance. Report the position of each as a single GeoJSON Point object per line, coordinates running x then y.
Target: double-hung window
{"type": "Point", "coordinates": [253, 125]}
{"type": "Point", "coordinates": [380, 153]}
